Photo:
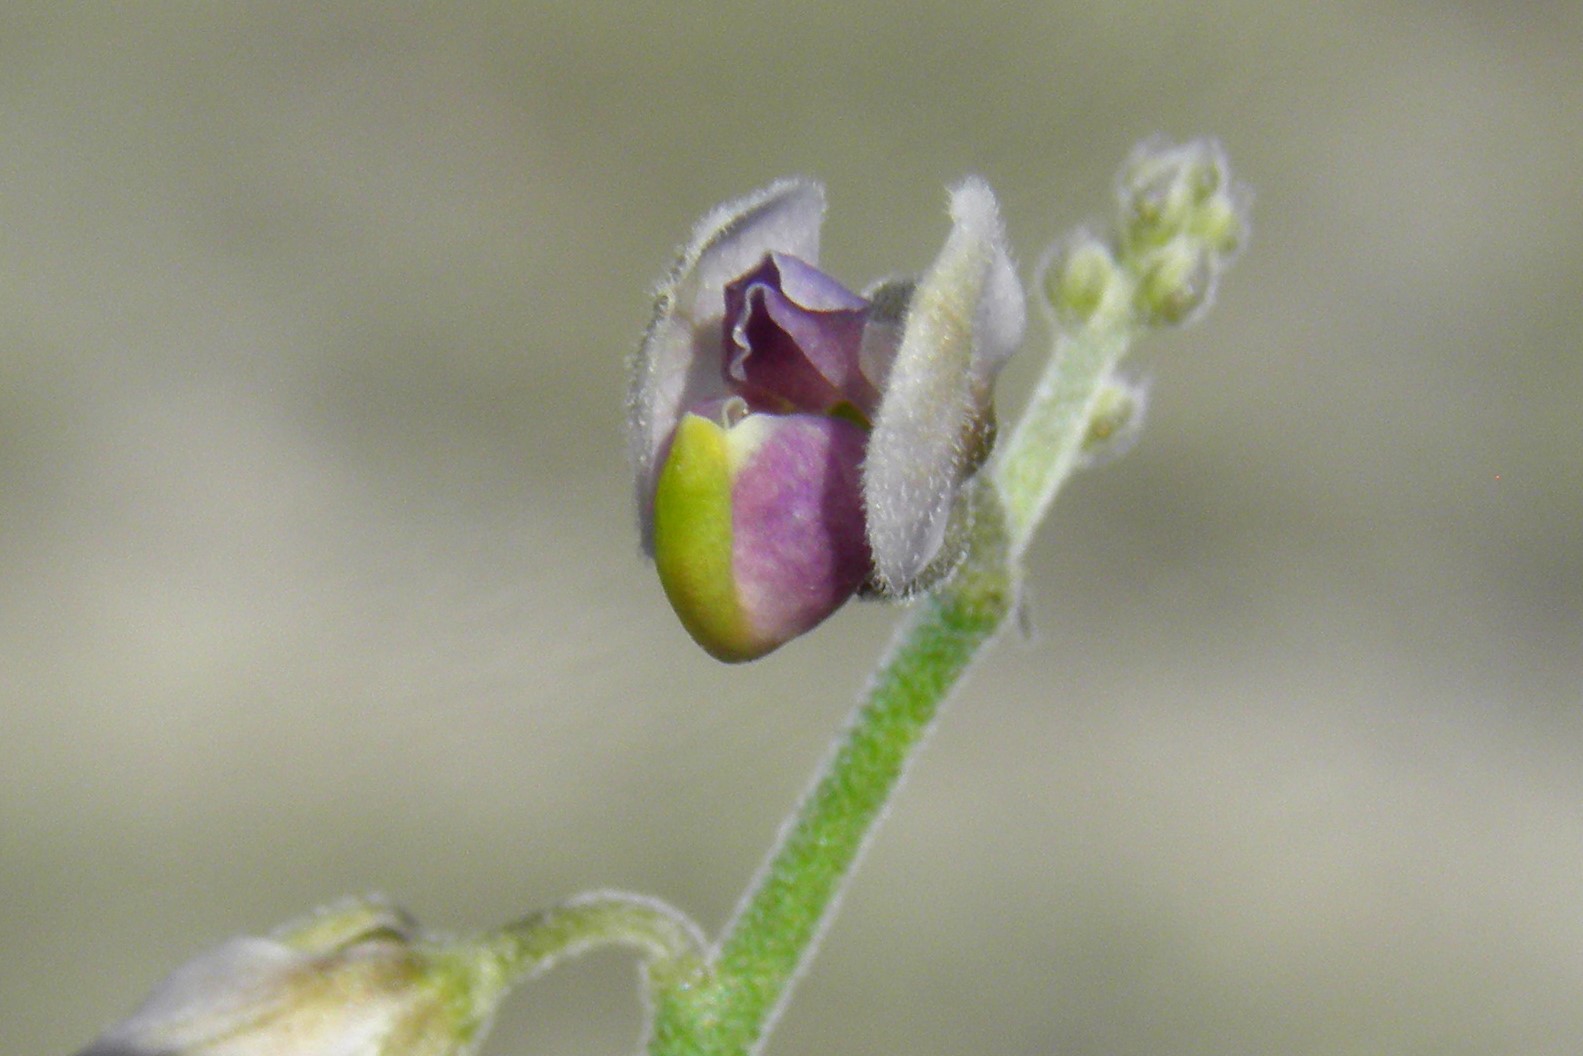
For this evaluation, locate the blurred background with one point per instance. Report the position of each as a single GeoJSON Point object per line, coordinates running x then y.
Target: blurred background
{"type": "Point", "coordinates": [318, 575]}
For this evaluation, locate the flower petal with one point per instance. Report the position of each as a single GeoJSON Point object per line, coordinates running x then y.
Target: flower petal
{"type": "Point", "coordinates": [1002, 316]}
{"type": "Point", "coordinates": [758, 528]}
{"type": "Point", "coordinates": [799, 546]}
{"type": "Point", "coordinates": [692, 536]}
{"type": "Point", "coordinates": [217, 993]}
{"type": "Point", "coordinates": [794, 338]}
{"type": "Point", "coordinates": [887, 316]}
{"type": "Point", "coordinates": [260, 997]}
{"type": "Point", "coordinates": [964, 319]}
{"type": "Point", "coordinates": [677, 364]}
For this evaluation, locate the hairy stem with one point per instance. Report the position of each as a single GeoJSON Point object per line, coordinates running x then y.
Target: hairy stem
{"type": "Point", "coordinates": [668, 942]}
{"type": "Point", "coordinates": [1043, 449]}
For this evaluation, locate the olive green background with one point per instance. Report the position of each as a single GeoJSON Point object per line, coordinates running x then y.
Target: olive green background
{"type": "Point", "coordinates": [317, 569]}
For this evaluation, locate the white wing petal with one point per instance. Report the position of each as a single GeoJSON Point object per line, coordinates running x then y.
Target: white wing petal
{"type": "Point", "coordinates": [966, 316]}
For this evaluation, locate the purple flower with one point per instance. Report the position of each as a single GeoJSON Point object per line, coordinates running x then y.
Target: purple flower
{"type": "Point", "coordinates": [793, 340]}
{"type": "Point", "coordinates": [795, 441]}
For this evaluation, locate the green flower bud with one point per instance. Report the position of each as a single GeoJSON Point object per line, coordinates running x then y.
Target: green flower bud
{"type": "Point", "coordinates": [1221, 224]}
{"type": "Point", "coordinates": [1162, 186]}
{"type": "Point", "coordinates": [1175, 282]}
{"type": "Point", "coordinates": [1081, 280]}
{"type": "Point", "coordinates": [1115, 420]}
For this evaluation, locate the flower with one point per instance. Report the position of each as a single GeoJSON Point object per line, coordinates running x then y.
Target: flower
{"type": "Point", "coordinates": [795, 442]}
{"type": "Point", "coordinates": [349, 982]}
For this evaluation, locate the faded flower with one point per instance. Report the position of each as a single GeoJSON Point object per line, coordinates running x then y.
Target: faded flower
{"type": "Point", "coordinates": [351, 982]}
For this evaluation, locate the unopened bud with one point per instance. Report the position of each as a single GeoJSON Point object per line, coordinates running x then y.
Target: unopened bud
{"type": "Point", "coordinates": [1081, 280]}
{"type": "Point", "coordinates": [1163, 186]}
{"type": "Point", "coordinates": [1221, 223]}
{"type": "Point", "coordinates": [1115, 420]}
{"type": "Point", "coordinates": [1175, 282]}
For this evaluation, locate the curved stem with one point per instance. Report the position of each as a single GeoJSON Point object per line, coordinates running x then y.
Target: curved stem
{"type": "Point", "coordinates": [670, 944]}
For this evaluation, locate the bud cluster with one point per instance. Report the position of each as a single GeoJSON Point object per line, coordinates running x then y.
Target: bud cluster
{"type": "Point", "coordinates": [1180, 220]}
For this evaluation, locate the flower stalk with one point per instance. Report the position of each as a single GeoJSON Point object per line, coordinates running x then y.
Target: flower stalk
{"type": "Point", "coordinates": [1099, 307]}
{"type": "Point", "coordinates": [669, 944]}
{"type": "Point", "coordinates": [778, 925]}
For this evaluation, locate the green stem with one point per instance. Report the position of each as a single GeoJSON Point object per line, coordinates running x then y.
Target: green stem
{"type": "Point", "coordinates": [779, 923]}
{"type": "Point", "coordinates": [669, 943]}
{"type": "Point", "coordinates": [1043, 449]}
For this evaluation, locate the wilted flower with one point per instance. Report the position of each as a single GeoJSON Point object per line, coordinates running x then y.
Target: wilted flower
{"type": "Point", "coordinates": [352, 982]}
{"type": "Point", "coordinates": [796, 442]}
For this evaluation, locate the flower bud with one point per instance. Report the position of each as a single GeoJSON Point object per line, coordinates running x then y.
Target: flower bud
{"type": "Point", "coordinates": [1162, 186]}
{"type": "Point", "coordinates": [351, 982]}
{"type": "Point", "coordinates": [1175, 282]}
{"type": "Point", "coordinates": [1221, 222]}
{"type": "Point", "coordinates": [1081, 280]}
{"type": "Point", "coordinates": [1115, 420]}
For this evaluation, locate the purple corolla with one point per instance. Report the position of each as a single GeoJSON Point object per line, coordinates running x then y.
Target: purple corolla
{"type": "Point", "coordinates": [796, 442]}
